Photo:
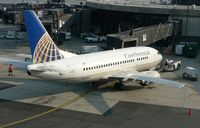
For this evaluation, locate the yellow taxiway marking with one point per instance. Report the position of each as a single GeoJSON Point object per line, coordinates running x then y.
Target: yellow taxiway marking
{"type": "Point", "coordinates": [46, 112]}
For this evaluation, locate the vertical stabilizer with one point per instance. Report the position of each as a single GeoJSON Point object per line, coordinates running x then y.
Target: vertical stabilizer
{"type": "Point", "coordinates": [43, 48]}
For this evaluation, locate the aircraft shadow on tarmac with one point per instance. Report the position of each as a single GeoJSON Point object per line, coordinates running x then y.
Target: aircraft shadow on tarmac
{"type": "Point", "coordinates": [37, 88]}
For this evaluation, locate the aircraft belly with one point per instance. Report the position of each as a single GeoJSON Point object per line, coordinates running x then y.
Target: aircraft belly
{"type": "Point", "coordinates": [92, 77]}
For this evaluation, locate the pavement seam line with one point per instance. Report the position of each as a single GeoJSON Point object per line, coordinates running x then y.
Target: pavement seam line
{"type": "Point", "coordinates": [46, 112]}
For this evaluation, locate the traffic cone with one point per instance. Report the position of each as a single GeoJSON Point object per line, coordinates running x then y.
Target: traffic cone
{"type": "Point", "coordinates": [189, 111]}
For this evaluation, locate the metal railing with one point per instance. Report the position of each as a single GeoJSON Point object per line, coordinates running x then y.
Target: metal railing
{"type": "Point", "coordinates": [126, 2]}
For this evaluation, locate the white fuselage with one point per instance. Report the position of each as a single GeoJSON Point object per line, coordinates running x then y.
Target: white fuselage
{"type": "Point", "coordinates": [96, 66]}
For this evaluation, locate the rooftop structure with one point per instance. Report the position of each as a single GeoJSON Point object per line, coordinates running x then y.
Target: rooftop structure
{"type": "Point", "coordinates": [144, 7]}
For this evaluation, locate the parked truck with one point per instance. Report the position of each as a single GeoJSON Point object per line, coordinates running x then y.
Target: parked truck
{"type": "Point", "coordinates": [11, 35]}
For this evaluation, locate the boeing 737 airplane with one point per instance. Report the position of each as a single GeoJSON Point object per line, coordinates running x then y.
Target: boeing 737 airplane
{"type": "Point", "coordinates": [125, 64]}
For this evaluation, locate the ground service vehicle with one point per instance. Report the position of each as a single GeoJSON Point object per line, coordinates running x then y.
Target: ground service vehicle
{"type": "Point", "coordinates": [170, 65]}
{"type": "Point", "coordinates": [190, 73]}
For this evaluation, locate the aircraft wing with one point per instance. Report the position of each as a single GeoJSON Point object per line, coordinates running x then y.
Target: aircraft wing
{"type": "Point", "coordinates": [16, 63]}
{"type": "Point", "coordinates": [149, 76]}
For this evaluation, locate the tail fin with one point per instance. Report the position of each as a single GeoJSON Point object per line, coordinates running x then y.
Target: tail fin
{"type": "Point", "coordinates": [43, 49]}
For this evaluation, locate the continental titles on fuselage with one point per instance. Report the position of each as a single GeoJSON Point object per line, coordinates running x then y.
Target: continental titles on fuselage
{"type": "Point", "coordinates": [136, 54]}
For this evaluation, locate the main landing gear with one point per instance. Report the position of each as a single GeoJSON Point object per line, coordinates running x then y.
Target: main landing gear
{"type": "Point", "coordinates": [119, 86]}
{"type": "Point", "coordinates": [143, 83]}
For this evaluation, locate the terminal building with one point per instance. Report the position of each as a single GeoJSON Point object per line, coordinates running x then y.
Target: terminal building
{"type": "Point", "coordinates": [140, 22]}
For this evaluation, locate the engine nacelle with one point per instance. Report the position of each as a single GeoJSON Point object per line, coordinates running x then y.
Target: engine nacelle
{"type": "Point", "coordinates": [148, 73]}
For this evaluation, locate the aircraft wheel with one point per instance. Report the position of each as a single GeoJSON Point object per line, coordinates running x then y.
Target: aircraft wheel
{"type": "Point", "coordinates": [178, 67]}
{"type": "Point", "coordinates": [143, 83]}
{"type": "Point", "coordinates": [119, 86]}
{"type": "Point", "coordinates": [174, 67]}
{"type": "Point", "coordinates": [194, 79]}
{"type": "Point", "coordinates": [184, 76]}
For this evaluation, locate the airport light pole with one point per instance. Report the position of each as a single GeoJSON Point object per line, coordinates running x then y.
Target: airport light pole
{"type": "Point", "coordinates": [187, 13]}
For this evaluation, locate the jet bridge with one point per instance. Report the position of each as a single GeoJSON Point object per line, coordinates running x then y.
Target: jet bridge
{"type": "Point", "coordinates": [143, 36]}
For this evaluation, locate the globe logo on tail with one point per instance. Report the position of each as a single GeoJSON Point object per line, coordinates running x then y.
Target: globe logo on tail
{"type": "Point", "coordinates": [46, 50]}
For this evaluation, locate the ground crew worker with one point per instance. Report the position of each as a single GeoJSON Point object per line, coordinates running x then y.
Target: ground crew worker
{"type": "Point", "coordinates": [10, 70]}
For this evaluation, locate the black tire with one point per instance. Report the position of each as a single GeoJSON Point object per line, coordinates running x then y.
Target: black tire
{"type": "Point", "coordinates": [119, 86]}
{"type": "Point", "coordinates": [143, 83]}
{"type": "Point", "coordinates": [194, 79]}
{"type": "Point", "coordinates": [178, 66]}
{"type": "Point", "coordinates": [174, 67]}
{"type": "Point", "coordinates": [116, 86]}
{"type": "Point", "coordinates": [184, 76]}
